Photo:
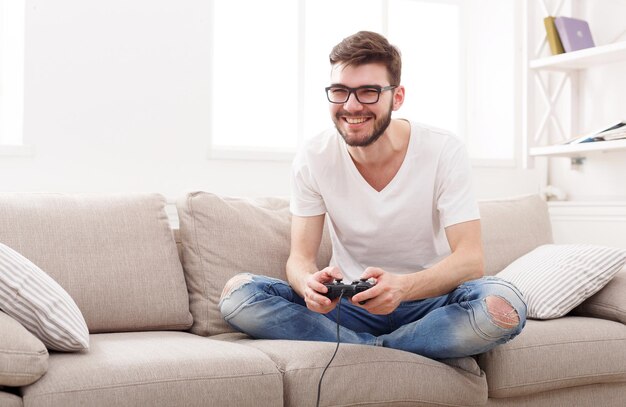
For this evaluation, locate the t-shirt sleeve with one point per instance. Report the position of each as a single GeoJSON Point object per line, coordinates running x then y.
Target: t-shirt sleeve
{"type": "Point", "coordinates": [306, 199]}
{"type": "Point", "coordinates": [456, 202]}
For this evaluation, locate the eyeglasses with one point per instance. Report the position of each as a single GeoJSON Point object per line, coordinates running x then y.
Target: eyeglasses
{"type": "Point", "coordinates": [366, 95]}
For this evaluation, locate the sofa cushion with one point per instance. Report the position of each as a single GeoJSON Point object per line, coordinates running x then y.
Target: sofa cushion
{"type": "Point", "coordinates": [10, 400]}
{"type": "Point", "coordinates": [115, 255]}
{"type": "Point", "coordinates": [42, 306]}
{"type": "Point", "coordinates": [224, 236]}
{"type": "Point", "coordinates": [608, 303]}
{"type": "Point", "coordinates": [555, 354]}
{"type": "Point", "coordinates": [23, 357]}
{"type": "Point", "coordinates": [158, 369]}
{"type": "Point", "coordinates": [595, 395]}
{"type": "Point", "coordinates": [511, 228]}
{"type": "Point", "coordinates": [365, 375]}
{"type": "Point", "coordinates": [556, 278]}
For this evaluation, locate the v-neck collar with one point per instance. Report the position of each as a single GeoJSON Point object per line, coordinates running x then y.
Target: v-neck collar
{"type": "Point", "coordinates": [357, 174]}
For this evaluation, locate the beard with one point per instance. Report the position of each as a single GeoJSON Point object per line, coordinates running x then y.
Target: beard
{"type": "Point", "coordinates": [380, 125]}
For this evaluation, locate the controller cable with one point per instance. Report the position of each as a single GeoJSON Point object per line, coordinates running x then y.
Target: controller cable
{"type": "Point", "coordinates": [319, 385]}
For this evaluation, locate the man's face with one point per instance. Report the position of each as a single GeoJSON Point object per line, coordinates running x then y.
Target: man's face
{"type": "Point", "coordinates": [362, 124]}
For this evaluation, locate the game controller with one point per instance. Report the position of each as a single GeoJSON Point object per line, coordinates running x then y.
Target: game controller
{"type": "Point", "coordinates": [337, 287]}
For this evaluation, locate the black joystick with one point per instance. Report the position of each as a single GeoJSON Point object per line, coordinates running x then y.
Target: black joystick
{"type": "Point", "coordinates": [337, 287]}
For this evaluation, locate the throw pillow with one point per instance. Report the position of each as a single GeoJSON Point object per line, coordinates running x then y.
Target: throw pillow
{"type": "Point", "coordinates": [556, 278]}
{"type": "Point", "coordinates": [224, 236]}
{"type": "Point", "coordinates": [41, 305]}
{"type": "Point", "coordinates": [23, 357]}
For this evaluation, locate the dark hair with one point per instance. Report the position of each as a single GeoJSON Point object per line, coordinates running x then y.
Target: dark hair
{"type": "Point", "coordinates": [366, 47]}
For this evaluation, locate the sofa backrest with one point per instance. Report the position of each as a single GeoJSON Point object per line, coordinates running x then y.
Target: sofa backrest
{"type": "Point", "coordinates": [511, 228]}
{"type": "Point", "coordinates": [222, 236]}
{"type": "Point", "coordinates": [114, 254]}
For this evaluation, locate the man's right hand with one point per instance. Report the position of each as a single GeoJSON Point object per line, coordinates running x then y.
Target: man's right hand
{"type": "Point", "coordinates": [314, 290]}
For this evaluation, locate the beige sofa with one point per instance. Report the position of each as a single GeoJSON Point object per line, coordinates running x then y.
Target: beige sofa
{"type": "Point", "coordinates": [149, 293]}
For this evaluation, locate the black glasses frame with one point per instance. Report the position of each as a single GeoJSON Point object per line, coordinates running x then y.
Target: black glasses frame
{"type": "Point", "coordinates": [379, 90]}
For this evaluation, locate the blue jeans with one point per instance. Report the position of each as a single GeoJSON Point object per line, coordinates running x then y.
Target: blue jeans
{"type": "Point", "coordinates": [457, 324]}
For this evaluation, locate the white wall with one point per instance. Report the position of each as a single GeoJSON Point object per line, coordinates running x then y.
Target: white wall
{"type": "Point", "coordinates": [116, 100]}
{"type": "Point", "coordinates": [601, 223]}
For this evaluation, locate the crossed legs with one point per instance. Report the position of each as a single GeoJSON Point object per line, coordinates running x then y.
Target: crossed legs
{"type": "Point", "coordinates": [472, 319]}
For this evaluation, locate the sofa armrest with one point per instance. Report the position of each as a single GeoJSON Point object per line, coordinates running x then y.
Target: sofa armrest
{"type": "Point", "coordinates": [608, 303]}
{"type": "Point", "coordinates": [23, 357]}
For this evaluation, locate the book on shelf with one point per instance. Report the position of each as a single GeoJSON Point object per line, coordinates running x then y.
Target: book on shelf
{"type": "Point", "coordinates": [614, 136]}
{"type": "Point", "coordinates": [553, 36]}
{"type": "Point", "coordinates": [574, 33]}
{"type": "Point", "coordinates": [614, 132]}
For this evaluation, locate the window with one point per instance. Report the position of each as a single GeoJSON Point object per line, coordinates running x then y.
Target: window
{"type": "Point", "coordinates": [491, 85]}
{"type": "Point", "coordinates": [428, 35]}
{"type": "Point", "coordinates": [11, 72]}
{"type": "Point", "coordinates": [326, 23]}
{"type": "Point", "coordinates": [270, 66]}
{"type": "Point", "coordinates": [255, 74]}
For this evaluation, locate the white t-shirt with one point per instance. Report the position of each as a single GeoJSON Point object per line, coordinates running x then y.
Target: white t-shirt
{"type": "Point", "coordinates": [399, 229]}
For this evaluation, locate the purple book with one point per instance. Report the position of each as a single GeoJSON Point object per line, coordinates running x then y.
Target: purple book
{"type": "Point", "coordinates": [574, 33]}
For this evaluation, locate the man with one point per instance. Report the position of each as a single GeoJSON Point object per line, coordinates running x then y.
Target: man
{"type": "Point", "coordinates": [400, 212]}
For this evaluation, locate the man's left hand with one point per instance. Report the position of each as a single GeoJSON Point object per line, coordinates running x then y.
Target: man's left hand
{"type": "Point", "coordinates": [386, 295]}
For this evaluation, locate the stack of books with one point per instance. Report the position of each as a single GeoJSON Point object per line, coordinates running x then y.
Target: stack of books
{"type": "Point", "coordinates": [615, 132]}
{"type": "Point", "coordinates": [567, 34]}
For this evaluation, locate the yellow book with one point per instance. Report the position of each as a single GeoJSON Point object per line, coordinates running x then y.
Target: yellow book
{"type": "Point", "coordinates": [553, 36]}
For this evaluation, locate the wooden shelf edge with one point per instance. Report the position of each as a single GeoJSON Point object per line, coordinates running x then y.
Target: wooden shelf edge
{"type": "Point", "coordinates": [582, 59]}
{"type": "Point", "coordinates": [578, 150]}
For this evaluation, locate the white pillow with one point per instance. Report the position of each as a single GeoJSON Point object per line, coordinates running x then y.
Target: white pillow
{"type": "Point", "coordinates": [556, 278]}
{"type": "Point", "coordinates": [41, 305]}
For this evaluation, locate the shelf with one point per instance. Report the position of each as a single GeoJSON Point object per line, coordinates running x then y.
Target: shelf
{"type": "Point", "coordinates": [578, 150]}
{"type": "Point", "coordinates": [582, 59]}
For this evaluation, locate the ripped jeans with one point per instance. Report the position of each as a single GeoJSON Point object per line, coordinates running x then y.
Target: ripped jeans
{"type": "Point", "coordinates": [457, 324]}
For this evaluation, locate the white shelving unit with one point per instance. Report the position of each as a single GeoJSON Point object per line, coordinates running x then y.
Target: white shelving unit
{"type": "Point", "coordinates": [574, 61]}
{"type": "Point", "coordinates": [567, 67]}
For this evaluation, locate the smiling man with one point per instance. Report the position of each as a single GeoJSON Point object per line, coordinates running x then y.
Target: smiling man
{"type": "Point", "coordinates": [400, 210]}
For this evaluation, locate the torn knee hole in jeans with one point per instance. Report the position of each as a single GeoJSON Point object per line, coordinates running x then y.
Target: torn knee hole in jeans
{"type": "Point", "coordinates": [502, 312]}
{"type": "Point", "coordinates": [235, 283]}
